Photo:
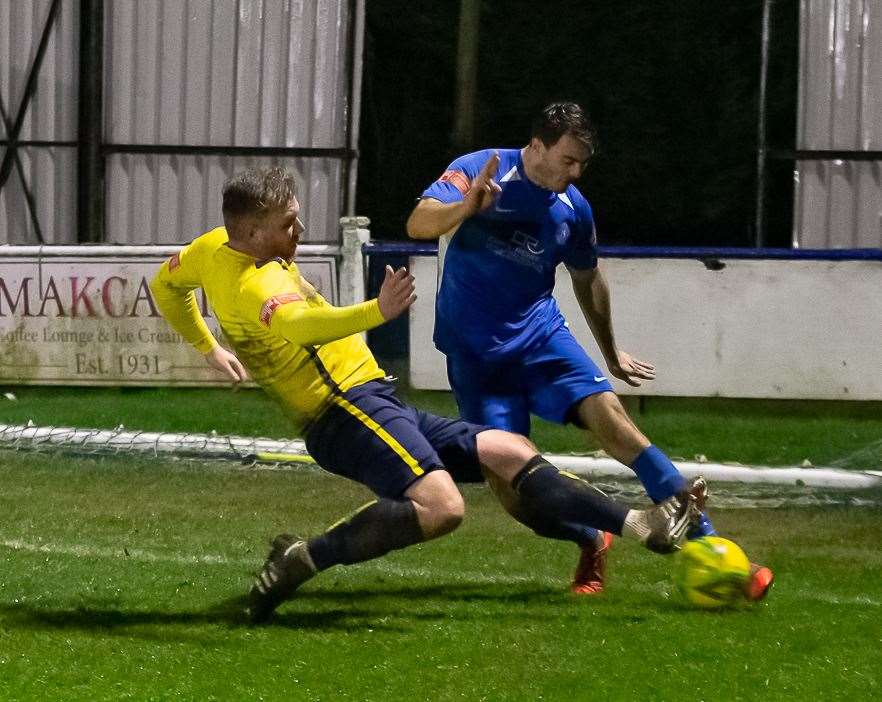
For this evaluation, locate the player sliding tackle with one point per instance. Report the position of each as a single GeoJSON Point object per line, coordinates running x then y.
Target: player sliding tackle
{"type": "Point", "coordinates": [514, 216]}
{"type": "Point", "coordinates": [308, 355]}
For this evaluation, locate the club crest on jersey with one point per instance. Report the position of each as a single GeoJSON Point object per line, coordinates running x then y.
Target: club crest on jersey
{"type": "Point", "coordinates": [271, 305]}
{"type": "Point", "coordinates": [562, 234]}
{"type": "Point", "coordinates": [457, 179]}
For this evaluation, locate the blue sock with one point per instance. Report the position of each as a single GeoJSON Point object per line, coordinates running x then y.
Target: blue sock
{"type": "Point", "coordinates": [661, 479]}
{"type": "Point", "coordinates": [703, 528]}
{"type": "Point", "coordinates": [659, 476]}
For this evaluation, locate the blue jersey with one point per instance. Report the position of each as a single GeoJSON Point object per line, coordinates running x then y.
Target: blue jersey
{"type": "Point", "coordinates": [495, 296]}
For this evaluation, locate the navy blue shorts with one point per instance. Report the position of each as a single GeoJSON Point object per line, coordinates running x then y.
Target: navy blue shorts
{"type": "Point", "coordinates": [372, 437]}
{"type": "Point", "coordinates": [547, 381]}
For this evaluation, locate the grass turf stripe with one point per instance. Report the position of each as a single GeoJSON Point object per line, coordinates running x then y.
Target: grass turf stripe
{"type": "Point", "coordinates": [386, 568]}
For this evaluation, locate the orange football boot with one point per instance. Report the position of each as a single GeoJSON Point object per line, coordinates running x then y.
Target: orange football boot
{"type": "Point", "coordinates": [591, 570]}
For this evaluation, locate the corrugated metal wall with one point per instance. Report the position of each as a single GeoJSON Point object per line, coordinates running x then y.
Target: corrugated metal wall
{"type": "Point", "coordinates": [227, 72]}
{"type": "Point", "coordinates": [249, 73]}
{"type": "Point", "coordinates": [169, 199]}
{"type": "Point", "coordinates": [839, 203]}
{"type": "Point", "coordinates": [51, 116]}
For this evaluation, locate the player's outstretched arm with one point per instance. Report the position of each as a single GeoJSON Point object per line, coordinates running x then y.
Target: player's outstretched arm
{"type": "Point", "coordinates": [431, 218]}
{"type": "Point", "coordinates": [307, 325]}
{"type": "Point", "coordinates": [592, 292]}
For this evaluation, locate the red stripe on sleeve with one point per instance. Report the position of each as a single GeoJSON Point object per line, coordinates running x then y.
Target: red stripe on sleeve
{"type": "Point", "coordinates": [457, 179]}
{"type": "Point", "coordinates": [271, 305]}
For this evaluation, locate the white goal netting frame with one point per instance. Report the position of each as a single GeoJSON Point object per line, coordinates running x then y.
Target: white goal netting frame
{"type": "Point", "coordinates": [283, 451]}
{"type": "Point", "coordinates": [144, 443]}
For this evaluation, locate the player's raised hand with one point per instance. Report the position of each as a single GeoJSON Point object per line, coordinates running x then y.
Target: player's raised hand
{"type": "Point", "coordinates": [484, 189]}
{"type": "Point", "coordinates": [631, 370]}
{"type": "Point", "coordinates": [396, 293]}
{"type": "Point", "coordinates": [224, 361]}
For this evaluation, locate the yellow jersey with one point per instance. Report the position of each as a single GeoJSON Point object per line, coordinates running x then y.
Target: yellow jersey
{"type": "Point", "coordinates": [296, 345]}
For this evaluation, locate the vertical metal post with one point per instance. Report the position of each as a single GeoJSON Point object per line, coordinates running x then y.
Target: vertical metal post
{"type": "Point", "coordinates": [466, 74]}
{"type": "Point", "coordinates": [90, 160]}
{"type": "Point", "coordinates": [761, 128]}
{"type": "Point", "coordinates": [355, 103]}
{"type": "Point", "coordinates": [351, 278]}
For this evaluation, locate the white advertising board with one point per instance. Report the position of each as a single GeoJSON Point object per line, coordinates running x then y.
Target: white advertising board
{"type": "Point", "coordinates": [91, 320]}
{"type": "Point", "coordinates": [750, 328]}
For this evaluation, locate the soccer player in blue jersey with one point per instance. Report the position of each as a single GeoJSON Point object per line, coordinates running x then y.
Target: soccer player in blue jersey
{"type": "Point", "coordinates": [309, 356]}
{"type": "Point", "coordinates": [514, 215]}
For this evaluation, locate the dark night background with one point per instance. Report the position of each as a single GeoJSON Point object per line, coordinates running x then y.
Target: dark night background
{"type": "Point", "coordinates": [672, 87]}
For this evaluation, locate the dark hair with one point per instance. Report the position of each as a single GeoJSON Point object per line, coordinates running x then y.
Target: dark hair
{"type": "Point", "coordinates": [561, 118]}
{"type": "Point", "coordinates": [258, 191]}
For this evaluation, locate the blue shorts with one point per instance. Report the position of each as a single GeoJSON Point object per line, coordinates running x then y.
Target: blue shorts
{"type": "Point", "coordinates": [368, 435]}
{"type": "Point", "coordinates": [547, 381]}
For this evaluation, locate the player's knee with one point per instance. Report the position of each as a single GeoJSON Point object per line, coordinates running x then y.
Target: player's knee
{"type": "Point", "coordinates": [607, 418]}
{"type": "Point", "coordinates": [450, 513]}
{"type": "Point", "coordinates": [442, 513]}
{"type": "Point", "coordinates": [601, 409]}
{"type": "Point", "coordinates": [504, 453]}
{"type": "Point", "coordinates": [442, 519]}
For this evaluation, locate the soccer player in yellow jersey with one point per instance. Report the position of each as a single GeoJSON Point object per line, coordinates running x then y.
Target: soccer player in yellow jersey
{"type": "Point", "coordinates": [310, 357]}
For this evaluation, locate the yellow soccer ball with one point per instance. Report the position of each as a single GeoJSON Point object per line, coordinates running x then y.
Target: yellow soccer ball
{"type": "Point", "coordinates": [711, 572]}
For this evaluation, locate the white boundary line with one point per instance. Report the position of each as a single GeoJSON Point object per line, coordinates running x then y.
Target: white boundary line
{"type": "Point", "coordinates": [146, 556]}
{"type": "Point", "coordinates": [379, 566]}
{"type": "Point", "coordinates": [123, 553]}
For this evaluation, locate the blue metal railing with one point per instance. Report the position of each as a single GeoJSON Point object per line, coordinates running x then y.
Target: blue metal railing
{"type": "Point", "coordinates": [430, 248]}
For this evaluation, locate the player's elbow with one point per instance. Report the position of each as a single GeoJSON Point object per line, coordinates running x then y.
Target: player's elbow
{"type": "Point", "coordinates": [416, 228]}
{"type": "Point", "coordinates": [158, 287]}
{"type": "Point", "coordinates": [422, 223]}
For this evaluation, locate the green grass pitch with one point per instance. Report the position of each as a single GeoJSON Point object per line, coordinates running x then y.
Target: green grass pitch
{"type": "Point", "coordinates": [120, 579]}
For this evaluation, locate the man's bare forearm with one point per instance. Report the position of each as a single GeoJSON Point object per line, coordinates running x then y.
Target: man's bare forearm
{"type": "Point", "coordinates": [432, 219]}
{"type": "Point", "coordinates": [592, 292]}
